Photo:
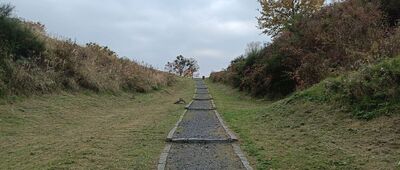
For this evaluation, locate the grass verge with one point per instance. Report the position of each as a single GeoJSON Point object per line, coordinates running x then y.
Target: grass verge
{"type": "Point", "coordinates": [96, 131]}
{"type": "Point", "coordinates": [297, 133]}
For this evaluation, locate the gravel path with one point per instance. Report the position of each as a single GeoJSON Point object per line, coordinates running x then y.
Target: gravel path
{"type": "Point", "coordinates": [202, 97]}
{"type": "Point", "coordinates": [201, 91]}
{"type": "Point", "coordinates": [200, 124]}
{"type": "Point", "coordinates": [203, 156]}
{"type": "Point", "coordinates": [200, 141]}
{"type": "Point", "coordinates": [201, 86]}
{"type": "Point", "coordinates": [201, 105]}
{"type": "Point", "coordinates": [199, 83]}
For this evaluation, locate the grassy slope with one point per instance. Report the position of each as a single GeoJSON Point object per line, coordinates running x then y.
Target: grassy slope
{"type": "Point", "coordinates": [300, 134]}
{"type": "Point", "coordinates": [78, 131]}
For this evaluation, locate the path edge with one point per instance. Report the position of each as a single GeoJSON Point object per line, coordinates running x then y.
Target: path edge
{"type": "Point", "coordinates": [162, 162]}
{"type": "Point", "coordinates": [172, 132]}
{"type": "Point", "coordinates": [196, 91]}
{"type": "Point", "coordinates": [241, 156]}
{"type": "Point", "coordinates": [194, 97]}
{"type": "Point", "coordinates": [188, 105]}
{"type": "Point", "coordinates": [213, 106]}
{"type": "Point", "coordinates": [232, 136]}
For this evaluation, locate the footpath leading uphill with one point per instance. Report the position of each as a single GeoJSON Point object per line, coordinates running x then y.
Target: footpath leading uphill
{"type": "Point", "coordinates": [200, 139]}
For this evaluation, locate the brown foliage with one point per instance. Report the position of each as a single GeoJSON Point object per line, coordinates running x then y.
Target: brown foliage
{"type": "Point", "coordinates": [278, 14]}
{"type": "Point", "coordinates": [340, 37]}
{"type": "Point", "coordinates": [67, 65]}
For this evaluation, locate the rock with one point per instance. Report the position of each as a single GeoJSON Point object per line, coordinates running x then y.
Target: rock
{"type": "Point", "coordinates": [180, 101]}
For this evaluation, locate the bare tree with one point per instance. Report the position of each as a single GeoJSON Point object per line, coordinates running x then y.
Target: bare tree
{"type": "Point", "coordinates": [182, 66]}
{"type": "Point", "coordinates": [6, 10]}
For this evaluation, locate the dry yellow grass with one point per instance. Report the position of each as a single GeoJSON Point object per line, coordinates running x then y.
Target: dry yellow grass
{"type": "Point", "coordinates": [37, 63]}
{"type": "Point", "coordinates": [89, 131]}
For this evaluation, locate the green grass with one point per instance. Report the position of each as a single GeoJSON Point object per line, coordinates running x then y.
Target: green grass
{"type": "Point", "coordinates": [88, 131]}
{"type": "Point", "coordinates": [301, 132]}
{"type": "Point", "coordinates": [371, 92]}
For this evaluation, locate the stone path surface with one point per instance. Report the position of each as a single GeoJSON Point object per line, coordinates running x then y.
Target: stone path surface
{"type": "Point", "coordinates": [201, 91]}
{"type": "Point", "coordinates": [200, 139]}
{"type": "Point", "coordinates": [203, 156]}
{"type": "Point", "coordinates": [201, 105]}
{"type": "Point", "coordinates": [202, 97]}
{"type": "Point", "coordinates": [200, 124]}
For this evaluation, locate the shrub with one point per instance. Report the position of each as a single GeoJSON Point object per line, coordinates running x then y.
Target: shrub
{"type": "Point", "coordinates": [392, 11]}
{"type": "Point", "coordinates": [371, 92]}
{"type": "Point", "coordinates": [339, 38]}
{"type": "Point", "coordinates": [19, 40]}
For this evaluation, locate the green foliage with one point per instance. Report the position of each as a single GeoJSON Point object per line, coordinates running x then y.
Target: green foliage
{"type": "Point", "coordinates": [277, 15]}
{"type": "Point", "coordinates": [19, 46]}
{"type": "Point", "coordinates": [392, 10]}
{"type": "Point", "coordinates": [19, 40]}
{"type": "Point", "coordinates": [368, 93]}
{"type": "Point", "coordinates": [261, 72]}
{"type": "Point", "coordinates": [299, 134]}
{"type": "Point", "coordinates": [316, 93]}
{"type": "Point", "coordinates": [371, 92]}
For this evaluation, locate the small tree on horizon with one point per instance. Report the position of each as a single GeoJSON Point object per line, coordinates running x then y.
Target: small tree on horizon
{"type": "Point", "coordinates": [6, 10]}
{"type": "Point", "coordinates": [182, 66]}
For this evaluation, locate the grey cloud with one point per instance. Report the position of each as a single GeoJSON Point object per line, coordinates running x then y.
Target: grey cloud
{"type": "Point", "coordinates": [154, 31]}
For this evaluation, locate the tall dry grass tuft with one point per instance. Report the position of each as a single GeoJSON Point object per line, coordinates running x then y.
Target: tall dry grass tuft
{"type": "Point", "coordinates": [65, 65]}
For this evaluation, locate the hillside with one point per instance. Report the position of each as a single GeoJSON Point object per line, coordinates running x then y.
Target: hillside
{"type": "Point", "coordinates": [346, 122]}
{"type": "Point", "coordinates": [301, 132]}
{"type": "Point", "coordinates": [331, 43]}
{"type": "Point", "coordinates": [324, 94]}
{"type": "Point", "coordinates": [69, 106]}
{"type": "Point", "coordinates": [89, 130]}
{"type": "Point", "coordinates": [31, 62]}
{"type": "Point", "coordinates": [337, 39]}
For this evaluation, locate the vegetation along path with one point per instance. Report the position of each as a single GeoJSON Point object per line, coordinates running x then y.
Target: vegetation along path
{"type": "Point", "coordinates": [200, 140]}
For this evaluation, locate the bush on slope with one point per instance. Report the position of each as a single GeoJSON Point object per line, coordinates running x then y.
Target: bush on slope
{"type": "Point", "coordinates": [32, 62]}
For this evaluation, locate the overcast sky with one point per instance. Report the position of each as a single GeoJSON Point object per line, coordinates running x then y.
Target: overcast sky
{"type": "Point", "coordinates": [153, 31]}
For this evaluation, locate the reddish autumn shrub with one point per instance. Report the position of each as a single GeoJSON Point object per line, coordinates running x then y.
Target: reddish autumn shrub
{"type": "Point", "coordinates": [339, 38]}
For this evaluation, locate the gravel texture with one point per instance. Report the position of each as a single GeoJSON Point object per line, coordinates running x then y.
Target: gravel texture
{"type": "Point", "coordinates": [201, 105]}
{"type": "Point", "coordinates": [200, 124]}
{"type": "Point", "coordinates": [202, 97]}
{"type": "Point", "coordinates": [201, 91]}
{"type": "Point", "coordinates": [199, 82]}
{"type": "Point", "coordinates": [203, 156]}
{"type": "Point", "coordinates": [201, 86]}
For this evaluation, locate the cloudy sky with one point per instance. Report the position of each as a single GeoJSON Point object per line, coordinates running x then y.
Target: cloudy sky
{"type": "Point", "coordinates": [153, 31]}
